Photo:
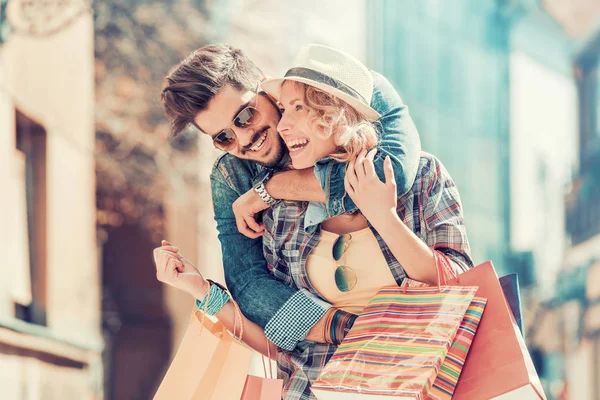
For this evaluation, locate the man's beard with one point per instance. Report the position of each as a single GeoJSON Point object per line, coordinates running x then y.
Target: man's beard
{"type": "Point", "coordinates": [277, 157]}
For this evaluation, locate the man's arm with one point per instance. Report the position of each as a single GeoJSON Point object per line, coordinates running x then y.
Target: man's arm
{"type": "Point", "coordinates": [246, 273]}
{"type": "Point", "coordinates": [262, 298]}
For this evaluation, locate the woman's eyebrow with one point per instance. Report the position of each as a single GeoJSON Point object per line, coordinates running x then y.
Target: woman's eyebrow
{"type": "Point", "coordinates": [291, 102]}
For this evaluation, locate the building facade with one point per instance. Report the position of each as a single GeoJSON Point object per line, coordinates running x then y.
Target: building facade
{"type": "Point", "coordinates": [506, 94]}
{"type": "Point", "coordinates": [50, 339]}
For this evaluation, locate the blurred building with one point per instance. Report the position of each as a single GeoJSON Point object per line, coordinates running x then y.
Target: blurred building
{"type": "Point", "coordinates": [450, 62]}
{"type": "Point", "coordinates": [148, 187]}
{"type": "Point", "coordinates": [569, 333]}
{"type": "Point", "coordinates": [506, 94]}
{"type": "Point", "coordinates": [50, 339]}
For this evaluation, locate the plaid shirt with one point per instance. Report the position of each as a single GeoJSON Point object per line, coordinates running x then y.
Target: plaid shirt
{"type": "Point", "coordinates": [431, 209]}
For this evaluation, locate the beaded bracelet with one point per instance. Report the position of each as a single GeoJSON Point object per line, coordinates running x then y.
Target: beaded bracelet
{"type": "Point", "coordinates": [216, 298]}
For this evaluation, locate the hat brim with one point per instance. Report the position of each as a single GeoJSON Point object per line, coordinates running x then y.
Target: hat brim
{"type": "Point", "coordinates": [273, 87]}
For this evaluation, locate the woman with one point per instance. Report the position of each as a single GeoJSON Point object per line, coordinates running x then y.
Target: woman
{"type": "Point", "coordinates": [345, 259]}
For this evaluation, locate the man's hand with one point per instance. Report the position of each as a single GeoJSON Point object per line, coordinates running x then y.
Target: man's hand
{"type": "Point", "coordinates": [375, 199]}
{"type": "Point", "coordinates": [245, 209]}
{"type": "Point", "coordinates": [177, 271]}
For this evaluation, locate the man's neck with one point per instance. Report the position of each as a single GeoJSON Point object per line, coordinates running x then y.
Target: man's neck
{"type": "Point", "coordinates": [285, 162]}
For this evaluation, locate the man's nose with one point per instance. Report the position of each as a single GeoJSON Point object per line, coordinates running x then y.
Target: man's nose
{"type": "Point", "coordinates": [244, 135]}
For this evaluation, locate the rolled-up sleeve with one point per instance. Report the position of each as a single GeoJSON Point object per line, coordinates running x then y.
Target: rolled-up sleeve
{"type": "Point", "coordinates": [295, 319]}
{"type": "Point", "coordinates": [443, 216]}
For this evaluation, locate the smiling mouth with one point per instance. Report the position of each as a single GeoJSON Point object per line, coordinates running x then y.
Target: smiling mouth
{"type": "Point", "coordinates": [297, 144]}
{"type": "Point", "coordinates": [260, 141]}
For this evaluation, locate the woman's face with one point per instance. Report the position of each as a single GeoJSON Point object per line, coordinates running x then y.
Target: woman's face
{"type": "Point", "coordinates": [306, 147]}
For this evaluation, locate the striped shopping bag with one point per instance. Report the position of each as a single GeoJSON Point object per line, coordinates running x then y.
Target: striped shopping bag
{"type": "Point", "coordinates": [447, 379]}
{"type": "Point", "coordinates": [397, 345]}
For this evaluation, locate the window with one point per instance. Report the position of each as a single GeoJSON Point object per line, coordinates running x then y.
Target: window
{"type": "Point", "coordinates": [588, 75]}
{"type": "Point", "coordinates": [4, 27]}
{"type": "Point", "coordinates": [18, 238]}
{"type": "Point", "coordinates": [31, 150]}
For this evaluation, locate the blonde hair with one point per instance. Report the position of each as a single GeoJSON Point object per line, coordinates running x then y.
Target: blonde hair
{"type": "Point", "coordinates": [331, 116]}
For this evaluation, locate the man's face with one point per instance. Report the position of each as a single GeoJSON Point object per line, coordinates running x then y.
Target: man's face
{"type": "Point", "coordinates": [259, 142]}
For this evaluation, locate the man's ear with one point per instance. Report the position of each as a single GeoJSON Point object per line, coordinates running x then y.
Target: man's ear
{"type": "Point", "coordinates": [273, 100]}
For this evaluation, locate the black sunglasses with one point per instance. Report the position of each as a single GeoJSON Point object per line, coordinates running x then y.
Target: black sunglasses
{"type": "Point", "coordinates": [226, 140]}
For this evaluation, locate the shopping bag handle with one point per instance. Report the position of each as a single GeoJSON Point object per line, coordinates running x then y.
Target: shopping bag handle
{"type": "Point", "coordinates": [440, 260]}
{"type": "Point", "coordinates": [265, 369]}
{"type": "Point", "coordinates": [443, 268]}
{"type": "Point", "coordinates": [238, 316]}
{"type": "Point", "coordinates": [236, 307]}
{"type": "Point", "coordinates": [238, 313]}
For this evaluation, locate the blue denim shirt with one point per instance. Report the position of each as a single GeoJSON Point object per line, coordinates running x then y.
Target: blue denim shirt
{"type": "Point", "coordinates": [263, 299]}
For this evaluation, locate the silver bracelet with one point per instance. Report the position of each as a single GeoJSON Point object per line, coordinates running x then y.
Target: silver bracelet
{"type": "Point", "coordinates": [264, 195]}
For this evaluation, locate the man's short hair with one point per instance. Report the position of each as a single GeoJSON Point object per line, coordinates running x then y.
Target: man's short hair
{"type": "Point", "coordinates": [192, 84]}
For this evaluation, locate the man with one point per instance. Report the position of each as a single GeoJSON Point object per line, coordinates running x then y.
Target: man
{"type": "Point", "coordinates": [216, 90]}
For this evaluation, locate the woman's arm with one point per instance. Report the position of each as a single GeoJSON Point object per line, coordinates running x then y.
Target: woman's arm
{"type": "Point", "coordinates": [254, 335]}
{"type": "Point", "coordinates": [175, 270]}
{"type": "Point", "coordinates": [411, 252]}
{"type": "Point", "coordinates": [441, 216]}
{"type": "Point", "coordinates": [378, 202]}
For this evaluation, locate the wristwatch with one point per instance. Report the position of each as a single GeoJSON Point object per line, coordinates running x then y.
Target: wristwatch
{"type": "Point", "coordinates": [262, 191]}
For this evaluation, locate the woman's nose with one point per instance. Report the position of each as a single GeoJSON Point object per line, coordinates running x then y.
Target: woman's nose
{"type": "Point", "coordinates": [284, 124]}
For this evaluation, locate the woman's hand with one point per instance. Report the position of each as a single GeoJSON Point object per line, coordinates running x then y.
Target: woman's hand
{"type": "Point", "coordinates": [376, 200]}
{"type": "Point", "coordinates": [177, 271]}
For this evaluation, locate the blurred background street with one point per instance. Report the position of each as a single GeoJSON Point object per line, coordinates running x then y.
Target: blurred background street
{"type": "Point", "coordinates": [505, 92]}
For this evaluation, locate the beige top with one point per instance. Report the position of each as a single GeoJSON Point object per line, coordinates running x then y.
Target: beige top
{"type": "Point", "coordinates": [366, 261]}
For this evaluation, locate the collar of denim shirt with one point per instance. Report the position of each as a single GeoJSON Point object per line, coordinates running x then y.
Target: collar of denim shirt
{"type": "Point", "coordinates": [316, 213]}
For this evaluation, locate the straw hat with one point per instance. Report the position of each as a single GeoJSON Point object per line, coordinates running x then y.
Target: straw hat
{"type": "Point", "coordinates": [332, 71]}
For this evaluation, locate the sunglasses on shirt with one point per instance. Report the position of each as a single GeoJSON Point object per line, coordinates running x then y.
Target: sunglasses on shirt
{"type": "Point", "coordinates": [345, 277]}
